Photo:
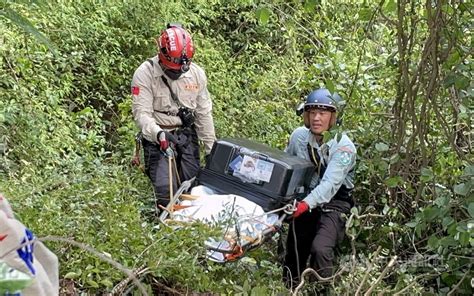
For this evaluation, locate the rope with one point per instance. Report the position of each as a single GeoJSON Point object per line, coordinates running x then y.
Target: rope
{"type": "Point", "coordinates": [176, 171]}
{"type": "Point", "coordinates": [170, 175]}
{"type": "Point", "coordinates": [287, 209]}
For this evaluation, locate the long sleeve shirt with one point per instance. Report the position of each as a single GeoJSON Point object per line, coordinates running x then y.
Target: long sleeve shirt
{"type": "Point", "coordinates": [154, 108]}
{"type": "Point", "coordinates": [339, 157]}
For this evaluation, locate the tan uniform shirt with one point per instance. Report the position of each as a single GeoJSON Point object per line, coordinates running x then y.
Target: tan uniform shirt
{"type": "Point", "coordinates": [151, 97]}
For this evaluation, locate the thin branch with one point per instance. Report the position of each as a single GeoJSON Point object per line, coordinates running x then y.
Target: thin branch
{"type": "Point", "coordinates": [459, 283]}
{"type": "Point", "coordinates": [356, 75]}
{"type": "Point", "coordinates": [381, 276]}
{"type": "Point", "coordinates": [101, 256]}
{"type": "Point", "coordinates": [413, 282]}
{"type": "Point", "coordinates": [366, 275]}
{"type": "Point", "coordinates": [406, 288]}
{"type": "Point", "coordinates": [320, 278]}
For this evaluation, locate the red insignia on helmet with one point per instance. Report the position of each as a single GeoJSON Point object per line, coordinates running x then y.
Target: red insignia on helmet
{"type": "Point", "coordinates": [135, 90]}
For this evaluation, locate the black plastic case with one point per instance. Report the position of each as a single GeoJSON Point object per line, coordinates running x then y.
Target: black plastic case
{"type": "Point", "coordinates": [267, 176]}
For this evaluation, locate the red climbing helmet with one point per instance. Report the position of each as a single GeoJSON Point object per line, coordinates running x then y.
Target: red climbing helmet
{"type": "Point", "coordinates": [176, 48]}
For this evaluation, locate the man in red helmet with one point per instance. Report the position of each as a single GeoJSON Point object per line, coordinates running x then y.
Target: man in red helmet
{"type": "Point", "coordinates": [171, 104]}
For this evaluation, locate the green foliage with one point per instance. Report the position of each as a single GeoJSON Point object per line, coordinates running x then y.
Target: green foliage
{"type": "Point", "coordinates": [19, 20]}
{"type": "Point", "coordinates": [66, 131]}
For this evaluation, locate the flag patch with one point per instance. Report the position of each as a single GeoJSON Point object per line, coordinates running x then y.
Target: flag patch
{"type": "Point", "coordinates": [135, 90]}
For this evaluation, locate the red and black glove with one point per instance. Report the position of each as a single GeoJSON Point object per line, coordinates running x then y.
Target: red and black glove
{"type": "Point", "coordinates": [164, 139]}
{"type": "Point", "coordinates": [301, 207]}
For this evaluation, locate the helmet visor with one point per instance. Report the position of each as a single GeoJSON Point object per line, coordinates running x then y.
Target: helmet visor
{"type": "Point", "coordinates": [324, 107]}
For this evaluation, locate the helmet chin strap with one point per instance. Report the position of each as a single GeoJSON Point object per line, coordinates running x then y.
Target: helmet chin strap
{"type": "Point", "coordinates": [184, 58]}
{"type": "Point", "coordinates": [184, 67]}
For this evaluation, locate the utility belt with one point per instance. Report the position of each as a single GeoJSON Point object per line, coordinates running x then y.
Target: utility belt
{"type": "Point", "coordinates": [185, 114]}
{"type": "Point", "coordinates": [171, 128]}
{"type": "Point", "coordinates": [140, 141]}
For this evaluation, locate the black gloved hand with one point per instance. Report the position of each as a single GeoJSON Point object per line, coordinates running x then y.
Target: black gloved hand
{"type": "Point", "coordinates": [164, 138]}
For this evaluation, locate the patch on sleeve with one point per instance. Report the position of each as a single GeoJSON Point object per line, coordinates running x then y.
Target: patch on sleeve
{"type": "Point", "coordinates": [135, 90]}
{"type": "Point", "coordinates": [345, 155]}
{"type": "Point", "coordinates": [345, 158]}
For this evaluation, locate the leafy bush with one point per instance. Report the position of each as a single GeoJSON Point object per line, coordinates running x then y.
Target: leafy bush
{"type": "Point", "coordinates": [66, 132]}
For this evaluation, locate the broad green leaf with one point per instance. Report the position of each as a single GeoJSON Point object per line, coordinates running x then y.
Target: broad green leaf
{"type": "Point", "coordinates": [330, 85]}
{"type": "Point", "coordinates": [449, 80]}
{"type": "Point", "coordinates": [433, 242]}
{"type": "Point", "coordinates": [393, 181]}
{"type": "Point", "coordinates": [420, 228]}
{"type": "Point", "coordinates": [327, 136]}
{"type": "Point", "coordinates": [452, 228]}
{"type": "Point", "coordinates": [93, 283]}
{"type": "Point", "coordinates": [381, 147]}
{"type": "Point", "coordinates": [449, 278]}
{"type": "Point", "coordinates": [411, 224]}
{"type": "Point", "coordinates": [426, 174]}
{"type": "Point", "coordinates": [391, 6]}
{"type": "Point", "coordinates": [461, 189]}
{"type": "Point", "coordinates": [442, 201]}
{"type": "Point", "coordinates": [263, 15]}
{"type": "Point", "coordinates": [71, 275]}
{"type": "Point", "coordinates": [431, 213]}
{"type": "Point", "coordinates": [461, 82]}
{"type": "Point", "coordinates": [447, 221]}
{"type": "Point", "coordinates": [365, 14]}
{"type": "Point", "coordinates": [468, 171]}
{"type": "Point", "coordinates": [470, 209]}
{"type": "Point", "coordinates": [464, 238]}
{"type": "Point", "coordinates": [107, 283]}
{"type": "Point", "coordinates": [448, 241]}
{"type": "Point", "coordinates": [453, 59]}
{"type": "Point", "coordinates": [309, 5]}
{"type": "Point", "coordinates": [382, 165]}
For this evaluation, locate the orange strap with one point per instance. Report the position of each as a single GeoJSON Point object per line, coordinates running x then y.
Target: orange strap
{"type": "Point", "coordinates": [237, 252]}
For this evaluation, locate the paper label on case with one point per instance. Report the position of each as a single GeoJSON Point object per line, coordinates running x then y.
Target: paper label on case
{"type": "Point", "coordinates": [256, 169]}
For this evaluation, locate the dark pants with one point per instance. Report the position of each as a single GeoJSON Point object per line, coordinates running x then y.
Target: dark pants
{"type": "Point", "coordinates": [314, 235]}
{"type": "Point", "coordinates": [157, 164]}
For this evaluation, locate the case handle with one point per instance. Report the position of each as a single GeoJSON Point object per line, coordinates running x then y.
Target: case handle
{"type": "Point", "coordinates": [254, 154]}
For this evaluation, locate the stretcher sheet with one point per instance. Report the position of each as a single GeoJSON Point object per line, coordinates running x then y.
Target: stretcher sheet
{"type": "Point", "coordinates": [245, 222]}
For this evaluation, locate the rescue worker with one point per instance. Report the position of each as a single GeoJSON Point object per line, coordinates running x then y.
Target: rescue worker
{"type": "Point", "coordinates": [171, 104]}
{"type": "Point", "coordinates": [317, 225]}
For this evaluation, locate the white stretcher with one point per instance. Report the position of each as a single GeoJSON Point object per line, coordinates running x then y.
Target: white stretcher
{"type": "Point", "coordinates": [246, 225]}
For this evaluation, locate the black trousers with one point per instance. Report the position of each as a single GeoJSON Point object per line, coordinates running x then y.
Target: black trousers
{"type": "Point", "coordinates": [157, 166]}
{"type": "Point", "coordinates": [314, 235]}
